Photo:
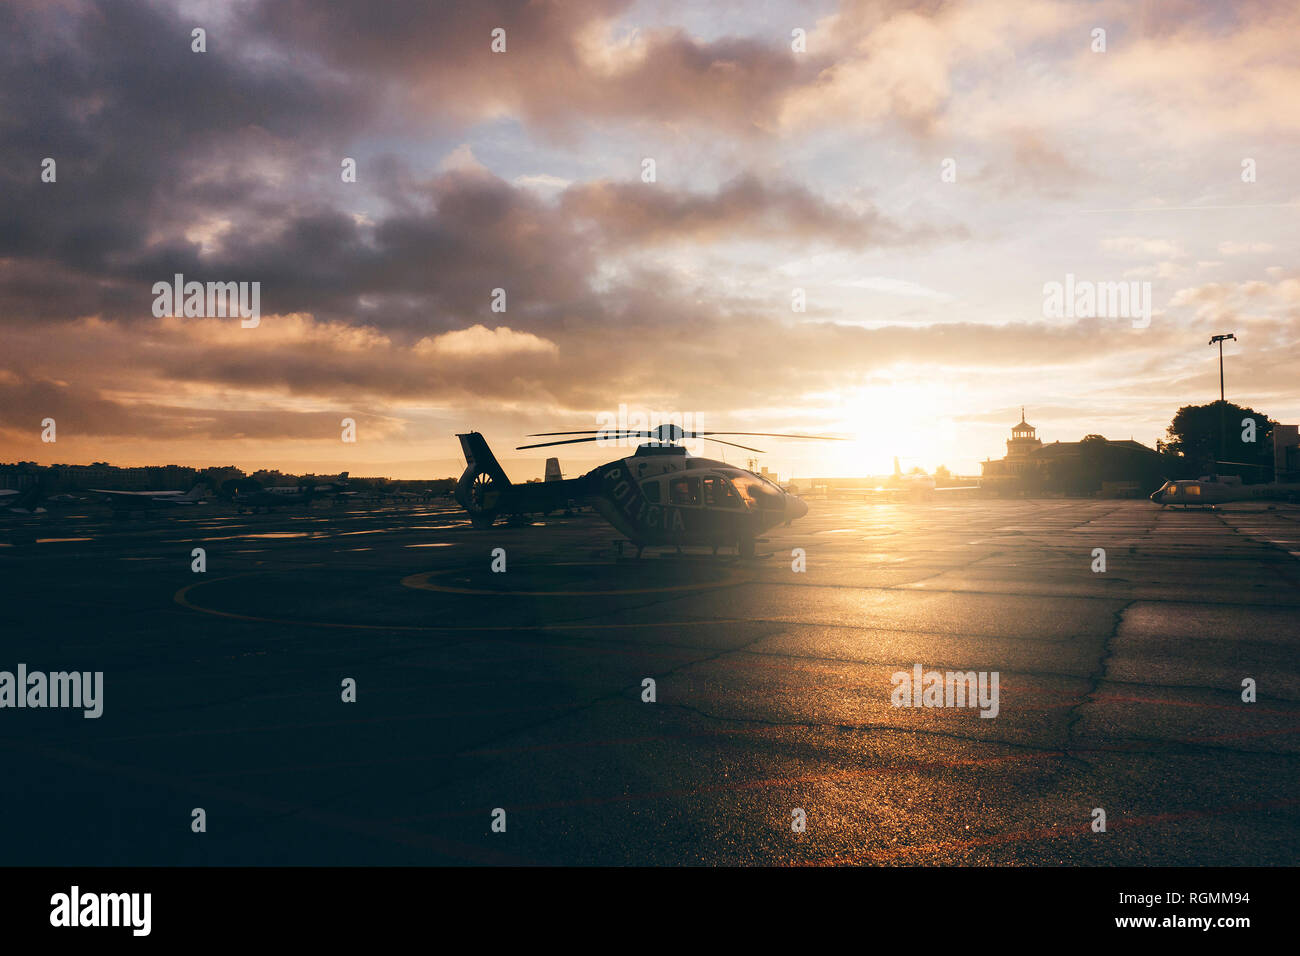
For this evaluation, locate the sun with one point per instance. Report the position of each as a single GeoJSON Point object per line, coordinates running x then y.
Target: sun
{"type": "Point", "coordinates": [912, 421]}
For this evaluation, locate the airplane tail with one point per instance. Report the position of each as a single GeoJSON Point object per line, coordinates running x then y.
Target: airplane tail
{"type": "Point", "coordinates": [198, 492]}
{"type": "Point", "coordinates": [482, 483]}
{"type": "Point", "coordinates": [553, 472]}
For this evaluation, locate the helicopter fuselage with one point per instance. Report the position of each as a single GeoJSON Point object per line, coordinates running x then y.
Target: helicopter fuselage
{"type": "Point", "coordinates": [659, 495]}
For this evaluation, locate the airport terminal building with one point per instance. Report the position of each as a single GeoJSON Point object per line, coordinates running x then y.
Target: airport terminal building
{"type": "Point", "coordinates": [1093, 466]}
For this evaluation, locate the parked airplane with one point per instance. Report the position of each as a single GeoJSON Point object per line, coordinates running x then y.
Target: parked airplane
{"type": "Point", "coordinates": [64, 501]}
{"type": "Point", "coordinates": [280, 496]}
{"type": "Point", "coordinates": [318, 485]}
{"type": "Point", "coordinates": [914, 482]}
{"type": "Point", "coordinates": [128, 501]}
{"type": "Point", "coordinates": [659, 495]}
{"type": "Point", "coordinates": [21, 502]}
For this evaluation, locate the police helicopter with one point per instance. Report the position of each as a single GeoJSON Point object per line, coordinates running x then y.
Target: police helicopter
{"type": "Point", "coordinates": [1210, 490]}
{"type": "Point", "coordinates": [659, 495]}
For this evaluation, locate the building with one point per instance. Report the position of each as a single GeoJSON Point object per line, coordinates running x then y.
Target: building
{"type": "Point", "coordinates": [1286, 452]}
{"type": "Point", "coordinates": [1009, 473]}
{"type": "Point", "coordinates": [55, 479]}
{"type": "Point", "coordinates": [1093, 465]}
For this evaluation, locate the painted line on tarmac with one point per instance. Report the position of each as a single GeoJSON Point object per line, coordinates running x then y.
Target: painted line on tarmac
{"type": "Point", "coordinates": [182, 598]}
{"type": "Point", "coordinates": [423, 581]}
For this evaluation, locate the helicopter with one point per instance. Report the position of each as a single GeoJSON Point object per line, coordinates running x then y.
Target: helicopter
{"type": "Point", "coordinates": [659, 495]}
{"type": "Point", "coordinates": [1210, 490]}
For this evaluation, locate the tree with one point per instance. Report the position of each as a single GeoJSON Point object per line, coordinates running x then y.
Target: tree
{"type": "Point", "coordinates": [1212, 439]}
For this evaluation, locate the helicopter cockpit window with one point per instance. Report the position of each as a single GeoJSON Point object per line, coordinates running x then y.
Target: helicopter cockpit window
{"type": "Point", "coordinates": [718, 493]}
{"type": "Point", "coordinates": [651, 491]}
{"type": "Point", "coordinates": [684, 491]}
{"type": "Point", "coordinates": [760, 494]}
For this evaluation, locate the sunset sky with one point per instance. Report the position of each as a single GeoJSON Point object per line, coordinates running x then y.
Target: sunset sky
{"type": "Point", "coordinates": [924, 330]}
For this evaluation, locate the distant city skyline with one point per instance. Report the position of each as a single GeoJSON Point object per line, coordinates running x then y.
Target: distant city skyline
{"type": "Point", "coordinates": [833, 217]}
{"type": "Point", "coordinates": [525, 463]}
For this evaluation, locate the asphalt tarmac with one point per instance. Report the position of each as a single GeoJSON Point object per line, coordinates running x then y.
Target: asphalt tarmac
{"type": "Point", "coordinates": [523, 691]}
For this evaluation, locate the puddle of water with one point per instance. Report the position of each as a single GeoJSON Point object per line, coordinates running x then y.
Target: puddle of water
{"type": "Point", "coordinates": [59, 540]}
{"type": "Point", "coordinates": [439, 544]}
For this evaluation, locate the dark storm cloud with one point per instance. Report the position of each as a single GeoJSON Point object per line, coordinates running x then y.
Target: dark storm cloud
{"type": "Point", "coordinates": [136, 123]}
{"type": "Point", "coordinates": [744, 208]}
{"type": "Point", "coordinates": [480, 233]}
{"type": "Point", "coordinates": [80, 411]}
{"type": "Point", "coordinates": [557, 68]}
{"type": "Point", "coordinates": [224, 165]}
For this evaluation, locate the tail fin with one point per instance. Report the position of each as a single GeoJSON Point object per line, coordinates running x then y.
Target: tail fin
{"type": "Point", "coordinates": [479, 457]}
{"type": "Point", "coordinates": [553, 472]}
{"type": "Point", "coordinates": [198, 492]}
{"type": "Point", "coordinates": [483, 482]}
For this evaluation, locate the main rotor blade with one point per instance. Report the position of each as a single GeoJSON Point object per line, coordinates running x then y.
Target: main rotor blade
{"type": "Point", "coordinates": [763, 435]}
{"type": "Point", "coordinates": [654, 433]}
{"type": "Point", "coordinates": [734, 445]}
{"type": "Point", "coordinates": [598, 431]}
{"type": "Point", "coordinates": [601, 436]}
{"type": "Point", "coordinates": [570, 441]}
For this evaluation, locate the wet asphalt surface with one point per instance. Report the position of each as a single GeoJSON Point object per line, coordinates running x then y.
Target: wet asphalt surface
{"type": "Point", "coordinates": [522, 690]}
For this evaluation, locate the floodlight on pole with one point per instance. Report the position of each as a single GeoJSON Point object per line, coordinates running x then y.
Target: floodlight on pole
{"type": "Point", "coordinates": [1220, 339]}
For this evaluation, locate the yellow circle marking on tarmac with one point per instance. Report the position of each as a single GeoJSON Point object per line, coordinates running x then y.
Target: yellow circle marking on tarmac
{"type": "Point", "coordinates": [182, 598]}
{"type": "Point", "coordinates": [422, 581]}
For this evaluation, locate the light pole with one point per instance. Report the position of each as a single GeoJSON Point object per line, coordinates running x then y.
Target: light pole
{"type": "Point", "coordinates": [1220, 339]}
{"type": "Point", "coordinates": [1222, 404]}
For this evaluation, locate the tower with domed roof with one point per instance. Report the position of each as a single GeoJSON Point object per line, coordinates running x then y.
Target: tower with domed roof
{"type": "Point", "coordinates": [1024, 439]}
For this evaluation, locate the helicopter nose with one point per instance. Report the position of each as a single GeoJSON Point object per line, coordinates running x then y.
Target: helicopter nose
{"type": "Point", "coordinates": [795, 507]}
{"type": "Point", "coordinates": [1156, 497]}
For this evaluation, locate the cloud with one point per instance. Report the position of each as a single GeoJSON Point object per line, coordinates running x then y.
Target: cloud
{"type": "Point", "coordinates": [744, 208]}
{"type": "Point", "coordinates": [1229, 248]}
{"type": "Point", "coordinates": [894, 287]}
{"type": "Point", "coordinates": [478, 341]}
{"type": "Point", "coordinates": [480, 171]}
{"type": "Point", "coordinates": [1136, 246]}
